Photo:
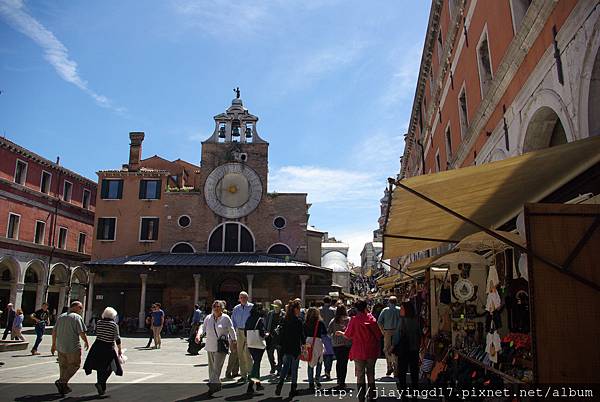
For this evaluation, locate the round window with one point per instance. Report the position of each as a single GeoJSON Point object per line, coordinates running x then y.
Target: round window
{"type": "Point", "coordinates": [279, 222]}
{"type": "Point", "coordinates": [184, 221]}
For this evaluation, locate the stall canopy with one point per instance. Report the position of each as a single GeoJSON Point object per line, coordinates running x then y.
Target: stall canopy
{"type": "Point", "coordinates": [489, 194]}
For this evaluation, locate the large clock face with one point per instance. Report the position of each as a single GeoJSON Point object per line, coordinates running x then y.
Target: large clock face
{"type": "Point", "coordinates": [233, 190]}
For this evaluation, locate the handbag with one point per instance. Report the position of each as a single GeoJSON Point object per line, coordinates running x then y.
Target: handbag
{"type": "Point", "coordinates": [222, 341]}
{"type": "Point", "coordinates": [253, 338]}
{"type": "Point", "coordinates": [307, 353]}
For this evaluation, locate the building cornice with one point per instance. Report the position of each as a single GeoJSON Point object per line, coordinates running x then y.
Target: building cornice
{"type": "Point", "coordinates": [17, 149]}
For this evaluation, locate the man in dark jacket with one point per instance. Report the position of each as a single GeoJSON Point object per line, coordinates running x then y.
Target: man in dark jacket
{"type": "Point", "coordinates": [10, 318]}
{"type": "Point", "coordinates": [274, 318]}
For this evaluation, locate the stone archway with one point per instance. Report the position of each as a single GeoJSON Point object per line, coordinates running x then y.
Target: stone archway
{"type": "Point", "coordinates": [9, 277]}
{"type": "Point", "coordinates": [79, 283]}
{"type": "Point", "coordinates": [58, 284]}
{"type": "Point", "coordinates": [33, 289]}
{"type": "Point", "coordinates": [594, 98]}
{"type": "Point", "coordinates": [545, 129]}
{"type": "Point", "coordinates": [228, 289]}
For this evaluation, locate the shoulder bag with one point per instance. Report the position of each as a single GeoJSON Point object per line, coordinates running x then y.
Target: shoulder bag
{"type": "Point", "coordinates": [253, 338]}
{"type": "Point", "coordinates": [222, 341]}
{"type": "Point", "coordinates": [306, 355]}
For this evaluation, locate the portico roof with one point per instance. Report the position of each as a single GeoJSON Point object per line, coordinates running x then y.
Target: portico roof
{"type": "Point", "coordinates": [233, 260]}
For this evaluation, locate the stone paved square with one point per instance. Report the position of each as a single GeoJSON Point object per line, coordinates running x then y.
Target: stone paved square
{"type": "Point", "coordinates": [148, 373]}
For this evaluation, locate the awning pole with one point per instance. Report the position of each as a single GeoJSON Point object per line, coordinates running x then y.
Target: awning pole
{"type": "Point", "coordinates": [399, 270]}
{"type": "Point", "coordinates": [498, 236]}
{"type": "Point", "coordinates": [420, 238]}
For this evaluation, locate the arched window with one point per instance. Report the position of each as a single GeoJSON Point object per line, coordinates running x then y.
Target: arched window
{"type": "Point", "coordinates": [31, 276]}
{"type": "Point", "coordinates": [182, 248]}
{"type": "Point", "coordinates": [231, 237]}
{"type": "Point", "coordinates": [6, 277]}
{"type": "Point", "coordinates": [280, 249]}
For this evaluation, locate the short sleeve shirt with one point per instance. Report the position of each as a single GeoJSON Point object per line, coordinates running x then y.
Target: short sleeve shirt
{"type": "Point", "coordinates": [68, 327]}
{"type": "Point", "coordinates": [157, 317]}
{"type": "Point", "coordinates": [41, 315]}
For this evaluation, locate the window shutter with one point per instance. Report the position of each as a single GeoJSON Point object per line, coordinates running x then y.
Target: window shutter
{"type": "Point", "coordinates": [155, 230]}
{"type": "Point", "coordinates": [104, 189]}
{"type": "Point", "coordinates": [158, 189]}
{"type": "Point", "coordinates": [100, 230]}
{"type": "Point", "coordinates": [120, 192]}
{"type": "Point", "coordinates": [143, 189]}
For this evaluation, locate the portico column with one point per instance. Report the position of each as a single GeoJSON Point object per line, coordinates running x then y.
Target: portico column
{"type": "Point", "coordinates": [142, 314]}
{"type": "Point", "coordinates": [90, 298]}
{"type": "Point", "coordinates": [39, 295]}
{"type": "Point", "coordinates": [62, 294]}
{"type": "Point", "coordinates": [16, 294]}
{"type": "Point", "coordinates": [303, 279]}
{"type": "Point", "coordinates": [250, 278]}
{"type": "Point", "coordinates": [196, 287]}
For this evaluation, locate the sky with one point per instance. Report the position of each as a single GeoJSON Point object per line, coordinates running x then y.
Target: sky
{"type": "Point", "coordinates": [332, 83]}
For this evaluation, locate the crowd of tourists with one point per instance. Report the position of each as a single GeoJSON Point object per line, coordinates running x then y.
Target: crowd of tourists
{"type": "Point", "coordinates": [287, 333]}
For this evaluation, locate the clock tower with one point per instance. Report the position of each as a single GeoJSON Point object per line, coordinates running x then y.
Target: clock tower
{"type": "Point", "coordinates": [234, 163]}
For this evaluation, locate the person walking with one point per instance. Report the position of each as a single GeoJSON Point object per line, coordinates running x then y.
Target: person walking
{"type": "Point", "coordinates": [315, 330]}
{"type": "Point", "coordinates": [67, 331]}
{"type": "Point", "coordinates": [233, 364]}
{"type": "Point", "coordinates": [148, 324]}
{"type": "Point", "coordinates": [10, 318]}
{"type": "Point", "coordinates": [327, 312]}
{"type": "Point", "coordinates": [341, 344]}
{"type": "Point", "coordinates": [217, 330]}
{"type": "Point", "coordinates": [365, 335]}
{"type": "Point", "coordinates": [195, 323]}
{"type": "Point", "coordinates": [102, 355]}
{"type": "Point", "coordinates": [406, 345]}
{"type": "Point", "coordinates": [239, 316]}
{"type": "Point", "coordinates": [41, 319]}
{"type": "Point", "coordinates": [18, 326]}
{"type": "Point", "coordinates": [255, 338]}
{"type": "Point", "coordinates": [273, 338]}
{"type": "Point", "coordinates": [388, 321]}
{"type": "Point", "coordinates": [158, 320]}
{"type": "Point", "coordinates": [293, 339]}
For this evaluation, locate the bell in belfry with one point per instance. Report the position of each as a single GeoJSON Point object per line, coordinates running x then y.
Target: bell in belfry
{"type": "Point", "coordinates": [248, 132]}
{"type": "Point", "coordinates": [222, 132]}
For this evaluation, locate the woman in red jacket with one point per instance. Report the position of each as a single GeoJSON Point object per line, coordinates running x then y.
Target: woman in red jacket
{"type": "Point", "coordinates": [365, 335]}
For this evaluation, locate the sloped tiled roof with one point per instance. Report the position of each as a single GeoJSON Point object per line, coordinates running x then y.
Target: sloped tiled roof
{"type": "Point", "coordinates": [206, 260]}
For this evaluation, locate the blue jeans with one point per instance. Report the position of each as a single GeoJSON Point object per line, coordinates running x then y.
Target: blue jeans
{"type": "Point", "coordinates": [290, 363]}
{"type": "Point", "coordinates": [311, 373]}
{"type": "Point", "coordinates": [39, 332]}
{"type": "Point", "coordinates": [328, 362]}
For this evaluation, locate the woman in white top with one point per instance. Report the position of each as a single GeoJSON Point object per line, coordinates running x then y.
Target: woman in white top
{"type": "Point", "coordinates": [215, 326]}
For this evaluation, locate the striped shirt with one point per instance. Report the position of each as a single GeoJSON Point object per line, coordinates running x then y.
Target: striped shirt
{"type": "Point", "coordinates": [107, 331]}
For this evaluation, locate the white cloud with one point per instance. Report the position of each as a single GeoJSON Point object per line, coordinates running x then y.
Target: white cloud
{"type": "Point", "coordinates": [223, 18]}
{"type": "Point", "coordinates": [15, 14]}
{"type": "Point", "coordinates": [325, 185]}
{"type": "Point", "coordinates": [401, 85]}
{"type": "Point", "coordinates": [356, 239]}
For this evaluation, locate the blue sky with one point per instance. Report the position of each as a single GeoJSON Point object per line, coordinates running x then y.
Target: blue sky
{"type": "Point", "coordinates": [332, 83]}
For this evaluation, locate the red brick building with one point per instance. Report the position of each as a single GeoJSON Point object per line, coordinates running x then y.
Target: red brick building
{"type": "Point", "coordinates": [179, 233]}
{"type": "Point", "coordinates": [501, 78]}
{"type": "Point", "coordinates": [46, 225]}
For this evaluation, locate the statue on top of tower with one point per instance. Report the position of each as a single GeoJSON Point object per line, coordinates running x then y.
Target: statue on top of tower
{"type": "Point", "coordinates": [237, 92]}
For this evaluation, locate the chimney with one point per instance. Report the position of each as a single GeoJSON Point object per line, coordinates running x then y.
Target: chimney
{"type": "Point", "coordinates": [135, 150]}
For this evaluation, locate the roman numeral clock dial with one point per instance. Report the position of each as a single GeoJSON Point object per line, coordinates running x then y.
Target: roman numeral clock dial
{"type": "Point", "coordinates": [233, 190]}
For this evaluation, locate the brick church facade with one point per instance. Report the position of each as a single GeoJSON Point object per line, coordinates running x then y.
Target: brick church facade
{"type": "Point", "coordinates": [179, 233]}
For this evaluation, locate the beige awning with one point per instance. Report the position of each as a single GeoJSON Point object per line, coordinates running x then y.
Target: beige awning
{"type": "Point", "coordinates": [422, 263]}
{"type": "Point", "coordinates": [489, 194]}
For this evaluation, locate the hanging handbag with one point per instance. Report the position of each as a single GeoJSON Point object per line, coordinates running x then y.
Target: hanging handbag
{"type": "Point", "coordinates": [306, 355]}
{"type": "Point", "coordinates": [253, 338]}
{"type": "Point", "coordinates": [222, 341]}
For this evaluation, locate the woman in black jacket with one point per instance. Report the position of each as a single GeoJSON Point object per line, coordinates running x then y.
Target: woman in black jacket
{"type": "Point", "coordinates": [293, 340]}
{"type": "Point", "coordinates": [406, 344]}
{"type": "Point", "coordinates": [102, 354]}
{"type": "Point", "coordinates": [255, 322]}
